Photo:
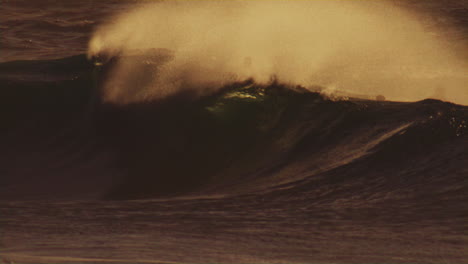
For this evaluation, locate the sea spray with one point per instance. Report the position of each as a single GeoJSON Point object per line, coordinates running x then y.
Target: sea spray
{"type": "Point", "coordinates": [359, 47]}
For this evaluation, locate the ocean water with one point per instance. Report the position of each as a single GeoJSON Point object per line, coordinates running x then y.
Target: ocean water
{"type": "Point", "coordinates": [249, 172]}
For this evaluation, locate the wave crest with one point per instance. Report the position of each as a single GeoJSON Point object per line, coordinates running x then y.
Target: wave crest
{"type": "Point", "coordinates": [354, 46]}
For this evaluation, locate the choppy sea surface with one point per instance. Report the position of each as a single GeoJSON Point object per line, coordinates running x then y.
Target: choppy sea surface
{"type": "Point", "coordinates": [250, 174]}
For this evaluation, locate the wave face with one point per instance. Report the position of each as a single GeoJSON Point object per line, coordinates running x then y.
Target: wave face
{"type": "Point", "coordinates": [252, 138]}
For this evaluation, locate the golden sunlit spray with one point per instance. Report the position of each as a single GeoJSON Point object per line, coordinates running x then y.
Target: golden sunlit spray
{"type": "Point", "coordinates": [361, 47]}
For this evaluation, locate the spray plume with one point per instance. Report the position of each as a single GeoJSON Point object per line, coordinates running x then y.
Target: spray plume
{"type": "Point", "coordinates": [362, 47]}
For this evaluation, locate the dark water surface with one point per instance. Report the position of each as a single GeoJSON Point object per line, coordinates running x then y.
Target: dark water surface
{"type": "Point", "coordinates": [47, 29]}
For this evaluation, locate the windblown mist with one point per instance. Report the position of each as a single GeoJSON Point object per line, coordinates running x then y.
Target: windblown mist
{"type": "Point", "coordinates": [362, 47]}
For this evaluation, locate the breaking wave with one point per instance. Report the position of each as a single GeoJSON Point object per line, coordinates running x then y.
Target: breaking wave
{"type": "Point", "coordinates": [242, 138]}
